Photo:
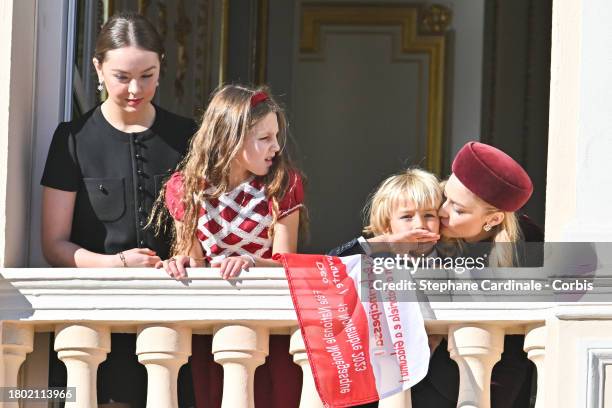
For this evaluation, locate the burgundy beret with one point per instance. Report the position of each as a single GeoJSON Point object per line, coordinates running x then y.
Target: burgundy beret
{"type": "Point", "coordinates": [493, 176]}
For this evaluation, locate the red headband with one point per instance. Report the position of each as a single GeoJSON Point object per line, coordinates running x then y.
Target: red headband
{"type": "Point", "coordinates": [258, 98]}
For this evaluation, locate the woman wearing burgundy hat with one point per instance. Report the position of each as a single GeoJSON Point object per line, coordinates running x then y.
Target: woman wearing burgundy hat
{"type": "Point", "coordinates": [483, 193]}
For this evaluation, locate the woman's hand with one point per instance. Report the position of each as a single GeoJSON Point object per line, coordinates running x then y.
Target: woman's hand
{"type": "Point", "coordinates": [175, 266]}
{"type": "Point", "coordinates": [233, 265]}
{"type": "Point", "coordinates": [138, 258]}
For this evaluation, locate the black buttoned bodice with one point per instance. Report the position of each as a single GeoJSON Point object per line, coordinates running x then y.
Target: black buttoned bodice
{"type": "Point", "coordinates": [116, 176]}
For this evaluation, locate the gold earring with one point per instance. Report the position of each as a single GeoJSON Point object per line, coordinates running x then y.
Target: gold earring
{"type": "Point", "coordinates": [487, 227]}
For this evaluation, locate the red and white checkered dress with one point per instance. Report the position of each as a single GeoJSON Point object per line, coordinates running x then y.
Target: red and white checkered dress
{"type": "Point", "coordinates": [237, 222]}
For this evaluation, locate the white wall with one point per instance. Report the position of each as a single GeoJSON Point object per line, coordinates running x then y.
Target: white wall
{"type": "Point", "coordinates": [579, 182]}
{"type": "Point", "coordinates": [48, 105]}
{"type": "Point", "coordinates": [594, 148]}
{"type": "Point", "coordinates": [579, 188]}
{"type": "Point", "coordinates": [17, 22]}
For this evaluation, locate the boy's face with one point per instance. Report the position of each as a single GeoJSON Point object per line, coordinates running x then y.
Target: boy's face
{"type": "Point", "coordinates": [406, 217]}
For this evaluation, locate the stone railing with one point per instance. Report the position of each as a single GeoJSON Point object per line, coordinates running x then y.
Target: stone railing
{"type": "Point", "coordinates": [82, 307]}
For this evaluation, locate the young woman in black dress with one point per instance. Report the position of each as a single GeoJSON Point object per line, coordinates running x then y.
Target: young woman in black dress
{"type": "Point", "coordinates": [104, 169]}
{"type": "Point", "coordinates": [102, 175]}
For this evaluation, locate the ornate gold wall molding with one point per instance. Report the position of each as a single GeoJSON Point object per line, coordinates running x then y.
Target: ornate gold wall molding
{"type": "Point", "coordinates": [109, 9]}
{"type": "Point", "coordinates": [434, 19]}
{"type": "Point", "coordinates": [258, 40]}
{"type": "Point", "coordinates": [423, 31]}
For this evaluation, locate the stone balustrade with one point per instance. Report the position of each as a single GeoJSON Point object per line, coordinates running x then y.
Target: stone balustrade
{"type": "Point", "coordinates": [83, 307]}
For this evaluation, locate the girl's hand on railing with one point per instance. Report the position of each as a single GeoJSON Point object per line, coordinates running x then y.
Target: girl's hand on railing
{"type": "Point", "coordinates": [175, 266]}
{"type": "Point", "coordinates": [233, 265]}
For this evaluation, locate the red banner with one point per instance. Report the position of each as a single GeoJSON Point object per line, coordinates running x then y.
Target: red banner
{"type": "Point", "coordinates": [360, 349]}
{"type": "Point", "coordinates": [334, 327]}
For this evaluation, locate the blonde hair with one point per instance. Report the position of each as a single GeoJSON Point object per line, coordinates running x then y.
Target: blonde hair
{"type": "Point", "coordinates": [508, 233]}
{"type": "Point", "coordinates": [416, 185]}
{"type": "Point", "coordinates": [225, 124]}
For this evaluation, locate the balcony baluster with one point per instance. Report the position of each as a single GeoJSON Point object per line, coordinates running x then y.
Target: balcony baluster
{"type": "Point", "coordinates": [240, 350]}
{"type": "Point", "coordinates": [82, 348]}
{"type": "Point", "coordinates": [476, 349]}
{"type": "Point", "coordinates": [310, 397]}
{"type": "Point", "coordinates": [163, 350]}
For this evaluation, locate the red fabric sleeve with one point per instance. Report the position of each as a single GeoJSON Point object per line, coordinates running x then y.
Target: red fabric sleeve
{"type": "Point", "coordinates": [174, 196]}
{"type": "Point", "coordinates": [294, 197]}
